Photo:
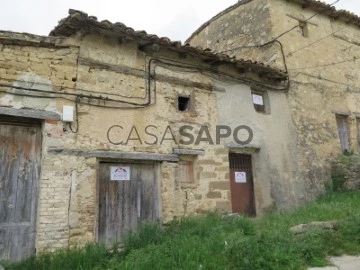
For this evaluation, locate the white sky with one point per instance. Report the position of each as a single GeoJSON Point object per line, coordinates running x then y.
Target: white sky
{"type": "Point", "coordinates": [174, 19]}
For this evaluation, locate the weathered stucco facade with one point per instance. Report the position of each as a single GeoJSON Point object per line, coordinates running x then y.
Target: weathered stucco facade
{"type": "Point", "coordinates": [318, 47]}
{"type": "Point", "coordinates": [126, 88]}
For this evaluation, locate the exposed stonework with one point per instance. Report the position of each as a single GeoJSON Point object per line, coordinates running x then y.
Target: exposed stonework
{"type": "Point", "coordinates": [322, 69]}
{"type": "Point", "coordinates": [346, 173]}
{"type": "Point", "coordinates": [303, 228]}
{"type": "Point", "coordinates": [114, 81]}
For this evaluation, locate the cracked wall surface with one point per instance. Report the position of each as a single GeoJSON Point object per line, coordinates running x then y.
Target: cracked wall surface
{"type": "Point", "coordinates": [44, 74]}
{"type": "Point", "coordinates": [322, 67]}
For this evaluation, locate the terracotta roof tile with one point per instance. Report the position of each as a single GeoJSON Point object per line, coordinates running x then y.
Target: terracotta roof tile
{"type": "Point", "coordinates": [78, 20]}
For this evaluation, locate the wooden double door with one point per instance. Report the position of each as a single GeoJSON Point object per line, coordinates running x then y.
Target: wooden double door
{"type": "Point", "coordinates": [20, 157]}
{"type": "Point", "coordinates": [242, 184]}
{"type": "Point", "coordinates": [128, 197]}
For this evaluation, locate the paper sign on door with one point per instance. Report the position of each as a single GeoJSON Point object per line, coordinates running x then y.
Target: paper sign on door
{"type": "Point", "coordinates": [240, 177]}
{"type": "Point", "coordinates": [119, 173]}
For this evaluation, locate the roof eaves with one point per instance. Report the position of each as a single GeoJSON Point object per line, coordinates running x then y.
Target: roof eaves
{"type": "Point", "coordinates": [78, 20]}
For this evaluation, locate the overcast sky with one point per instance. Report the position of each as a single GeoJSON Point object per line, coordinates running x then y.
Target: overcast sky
{"type": "Point", "coordinates": [174, 19]}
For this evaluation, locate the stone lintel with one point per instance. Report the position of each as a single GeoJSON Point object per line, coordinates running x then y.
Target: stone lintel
{"type": "Point", "coordinates": [346, 113]}
{"type": "Point", "coordinates": [195, 152]}
{"type": "Point", "coordinates": [239, 148]}
{"type": "Point", "coordinates": [28, 113]}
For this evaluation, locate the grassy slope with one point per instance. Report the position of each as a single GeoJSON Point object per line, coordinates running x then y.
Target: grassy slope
{"type": "Point", "coordinates": [230, 243]}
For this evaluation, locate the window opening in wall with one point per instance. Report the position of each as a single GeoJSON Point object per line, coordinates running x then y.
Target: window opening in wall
{"type": "Point", "coordinates": [304, 28]}
{"type": "Point", "coordinates": [358, 132]}
{"type": "Point", "coordinates": [183, 103]}
{"type": "Point", "coordinates": [258, 101]}
{"type": "Point", "coordinates": [343, 128]}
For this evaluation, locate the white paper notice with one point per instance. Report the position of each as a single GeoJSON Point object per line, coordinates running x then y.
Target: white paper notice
{"type": "Point", "coordinates": [120, 173]}
{"type": "Point", "coordinates": [258, 99]}
{"type": "Point", "coordinates": [240, 177]}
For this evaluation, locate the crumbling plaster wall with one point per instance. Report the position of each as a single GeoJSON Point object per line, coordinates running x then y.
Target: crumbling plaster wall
{"type": "Point", "coordinates": [273, 147]}
{"type": "Point", "coordinates": [237, 31]}
{"type": "Point", "coordinates": [93, 65]}
{"type": "Point", "coordinates": [48, 67]}
{"type": "Point", "coordinates": [324, 81]}
{"type": "Point", "coordinates": [318, 87]}
{"type": "Point", "coordinates": [177, 199]}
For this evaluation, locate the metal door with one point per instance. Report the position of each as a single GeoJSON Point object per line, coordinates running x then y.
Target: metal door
{"type": "Point", "coordinates": [241, 184]}
{"type": "Point", "coordinates": [125, 204]}
{"type": "Point", "coordinates": [20, 155]}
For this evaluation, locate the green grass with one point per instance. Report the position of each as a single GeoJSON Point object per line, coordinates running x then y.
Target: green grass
{"type": "Point", "coordinates": [213, 242]}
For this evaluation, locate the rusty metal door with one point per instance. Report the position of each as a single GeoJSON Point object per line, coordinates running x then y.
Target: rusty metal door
{"type": "Point", "coordinates": [241, 184]}
{"type": "Point", "coordinates": [125, 204]}
{"type": "Point", "coordinates": [20, 156]}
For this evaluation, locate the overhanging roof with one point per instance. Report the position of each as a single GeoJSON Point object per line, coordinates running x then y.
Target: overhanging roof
{"type": "Point", "coordinates": [78, 20]}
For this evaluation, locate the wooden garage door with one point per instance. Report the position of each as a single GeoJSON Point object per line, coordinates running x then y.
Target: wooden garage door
{"type": "Point", "coordinates": [125, 204]}
{"type": "Point", "coordinates": [20, 153]}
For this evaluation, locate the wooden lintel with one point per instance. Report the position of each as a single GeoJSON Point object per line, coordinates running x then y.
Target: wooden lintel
{"type": "Point", "coordinates": [28, 113]}
{"type": "Point", "coordinates": [115, 154]}
{"type": "Point", "coordinates": [301, 19]}
{"type": "Point", "coordinates": [141, 74]}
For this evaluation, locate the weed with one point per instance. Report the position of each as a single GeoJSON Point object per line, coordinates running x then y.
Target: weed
{"type": "Point", "coordinates": [230, 242]}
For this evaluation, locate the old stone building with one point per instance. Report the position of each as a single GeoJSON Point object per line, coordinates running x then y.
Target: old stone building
{"type": "Point", "coordinates": [318, 47]}
{"type": "Point", "coordinates": [103, 127]}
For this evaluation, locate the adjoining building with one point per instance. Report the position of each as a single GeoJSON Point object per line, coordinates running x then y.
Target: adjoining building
{"type": "Point", "coordinates": [103, 128]}
{"type": "Point", "coordinates": [318, 47]}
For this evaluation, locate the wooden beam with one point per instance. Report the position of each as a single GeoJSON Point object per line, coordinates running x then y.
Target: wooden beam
{"type": "Point", "coordinates": [28, 113]}
{"type": "Point", "coordinates": [141, 74]}
{"type": "Point", "coordinates": [115, 154]}
{"type": "Point", "coordinates": [300, 19]}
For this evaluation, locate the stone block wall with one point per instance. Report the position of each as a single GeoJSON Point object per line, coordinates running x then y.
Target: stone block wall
{"type": "Point", "coordinates": [68, 203]}
{"type": "Point", "coordinates": [321, 67]}
{"type": "Point", "coordinates": [345, 173]}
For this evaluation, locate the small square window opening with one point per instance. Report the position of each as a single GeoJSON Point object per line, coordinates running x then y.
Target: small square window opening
{"type": "Point", "coordinates": [183, 103]}
{"type": "Point", "coordinates": [344, 132]}
{"type": "Point", "coordinates": [358, 131]}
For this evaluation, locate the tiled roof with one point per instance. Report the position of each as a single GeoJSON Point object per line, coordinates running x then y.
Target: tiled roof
{"type": "Point", "coordinates": [317, 6]}
{"type": "Point", "coordinates": [78, 20]}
